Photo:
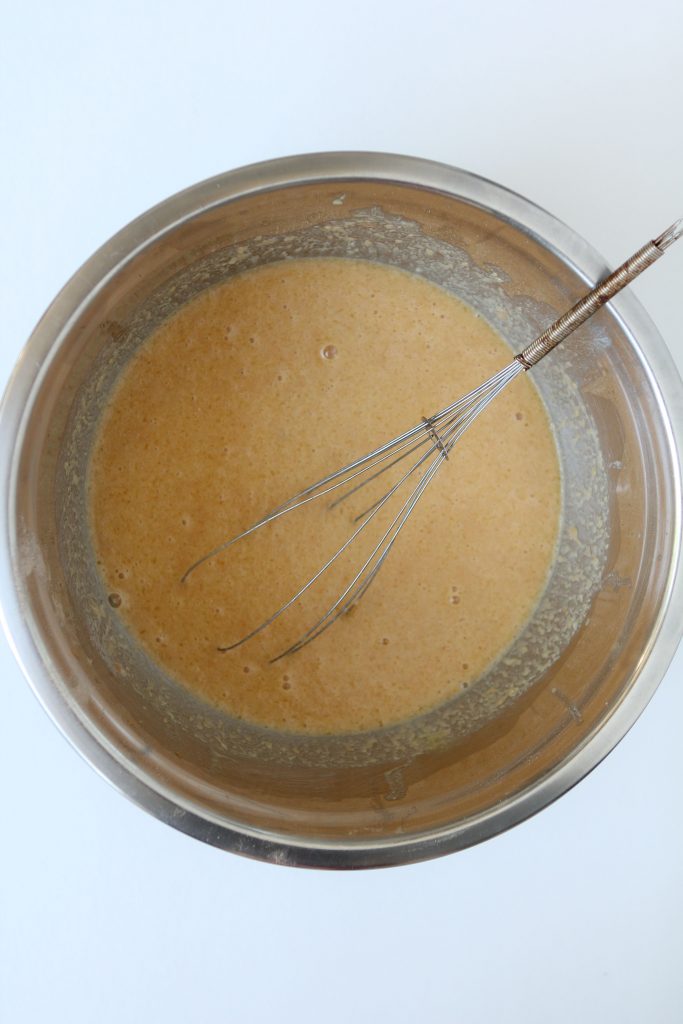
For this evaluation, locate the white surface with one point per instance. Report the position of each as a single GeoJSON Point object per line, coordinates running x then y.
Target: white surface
{"type": "Point", "coordinates": [108, 915]}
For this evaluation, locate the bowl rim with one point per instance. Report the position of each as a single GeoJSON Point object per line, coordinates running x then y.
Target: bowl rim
{"type": "Point", "coordinates": [319, 168]}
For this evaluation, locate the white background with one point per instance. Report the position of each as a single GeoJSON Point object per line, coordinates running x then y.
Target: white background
{"type": "Point", "coordinates": [109, 916]}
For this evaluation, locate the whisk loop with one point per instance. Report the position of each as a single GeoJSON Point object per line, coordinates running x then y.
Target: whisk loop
{"type": "Point", "coordinates": [430, 442]}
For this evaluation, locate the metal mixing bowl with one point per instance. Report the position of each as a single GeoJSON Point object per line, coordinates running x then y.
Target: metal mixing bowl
{"type": "Point", "coordinates": [547, 712]}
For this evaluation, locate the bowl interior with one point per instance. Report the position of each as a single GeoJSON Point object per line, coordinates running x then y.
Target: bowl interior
{"type": "Point", "coordinates": [452, 769]}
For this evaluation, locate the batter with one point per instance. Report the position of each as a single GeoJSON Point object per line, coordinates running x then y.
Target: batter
{"type": "Point", "coordinates": [261, 386]}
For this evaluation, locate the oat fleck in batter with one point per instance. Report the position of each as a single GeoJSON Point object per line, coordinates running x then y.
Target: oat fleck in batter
{"type": "Point", "coordinates": [261, 386]}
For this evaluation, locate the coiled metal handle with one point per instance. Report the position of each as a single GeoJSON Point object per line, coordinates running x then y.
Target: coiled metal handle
{"type": "Point", "coordinates": [596, 298]}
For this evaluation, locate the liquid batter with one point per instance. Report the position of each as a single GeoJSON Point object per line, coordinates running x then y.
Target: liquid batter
{"type": "Point", "coordinates": [261, 386]}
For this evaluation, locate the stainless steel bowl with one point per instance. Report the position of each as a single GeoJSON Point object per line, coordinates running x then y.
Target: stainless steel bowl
{"type": "Point", "coordinates": [561, 698]}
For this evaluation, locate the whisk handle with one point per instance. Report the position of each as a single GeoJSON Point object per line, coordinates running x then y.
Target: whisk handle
{"type": "Point", "coordinates": [596, 298]}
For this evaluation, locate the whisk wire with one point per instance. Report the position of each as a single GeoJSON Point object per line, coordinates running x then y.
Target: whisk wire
{"type": "Point", "coordinates": [439, 433]}
{"type": "Point", "coordinates": [451, 423]}
{"type": "Point", "coordinates": [320, 571]}
{"type": "Point", "coordinates": [440, 419]}
{"type": "Point", "coordinates": [401, 517]}
{"type": "Point", "coordinates": [330, 561]}
{"type": "Point", "coordinates": [386, 542]}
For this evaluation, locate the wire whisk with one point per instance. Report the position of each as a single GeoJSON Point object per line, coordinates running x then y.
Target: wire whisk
{"type": "Point", "coordinates": [427, 445]}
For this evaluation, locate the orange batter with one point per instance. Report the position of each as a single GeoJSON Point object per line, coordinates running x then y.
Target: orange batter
{"type": "Point", "coordinates": [256, 389]}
